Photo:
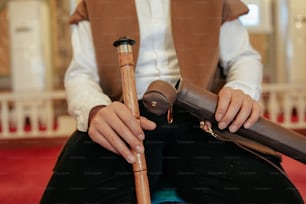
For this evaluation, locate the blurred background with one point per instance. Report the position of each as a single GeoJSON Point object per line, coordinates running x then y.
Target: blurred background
{"type": "Point", "coordinates": [35, 51]}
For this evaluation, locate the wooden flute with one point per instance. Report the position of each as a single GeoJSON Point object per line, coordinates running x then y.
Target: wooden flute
{"type": "Point", "coordinates": [127, 69]}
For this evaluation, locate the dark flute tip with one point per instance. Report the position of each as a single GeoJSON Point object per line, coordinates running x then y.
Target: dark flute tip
{"type": "Point", "coordinates": [124, 41]}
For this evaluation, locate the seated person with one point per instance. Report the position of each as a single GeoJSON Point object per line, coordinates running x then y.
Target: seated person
{"type": "Point", "coordinates": [95, 164]}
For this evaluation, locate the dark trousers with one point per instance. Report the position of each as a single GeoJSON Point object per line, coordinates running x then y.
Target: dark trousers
{"type": "Point", "coordinates": [181, 155]}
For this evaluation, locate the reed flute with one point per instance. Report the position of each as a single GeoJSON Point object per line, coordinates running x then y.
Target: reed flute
{"type": "Point", "coordinates": [126, 64]}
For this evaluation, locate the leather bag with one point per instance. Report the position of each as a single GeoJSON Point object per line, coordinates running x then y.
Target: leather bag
{"type": "Point", "coordinates": [264, 136]}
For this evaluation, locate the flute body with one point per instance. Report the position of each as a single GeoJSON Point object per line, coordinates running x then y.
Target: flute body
{"type": "Point", "coordinates": [126, 63]}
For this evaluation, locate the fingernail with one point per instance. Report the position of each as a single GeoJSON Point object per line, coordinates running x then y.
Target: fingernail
{"type": "Point", "coordinates": [222, 125]}
{"type": "Point", "coordinates": [233, 128]}
{"type": "Point", "coordinates": [219, 116]}
{"type": "Point", "coordinates": [141, 137]}
{"type": "Point", "coordinates": [131, 159]}
{"type": "Point", "coordinates": [139, 149]}
{"type": "Point", "coordinates": [247, 125]}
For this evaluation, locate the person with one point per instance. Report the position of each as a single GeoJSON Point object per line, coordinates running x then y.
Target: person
{"type": "Point", "coordinates": [95, 163]}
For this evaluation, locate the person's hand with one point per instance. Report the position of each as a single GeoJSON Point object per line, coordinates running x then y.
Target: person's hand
{"type": "Point", "coordinates": [114, 127]}
{"type": "Point", "coordinates": [236, 109]}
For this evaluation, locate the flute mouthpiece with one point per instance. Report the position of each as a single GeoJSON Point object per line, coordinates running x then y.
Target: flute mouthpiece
{"type": "Point", "coordinates": [124, 41]}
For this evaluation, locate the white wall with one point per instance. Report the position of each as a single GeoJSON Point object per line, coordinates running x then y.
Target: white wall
{"type": "Point", "coordinates": [259, 18]}
{"type": "Point", "coordinates": [29, 27]}
{"type": "Point", "coordinates": [296, 47]}
{"type": "Point", "coordinates": [290, 35]}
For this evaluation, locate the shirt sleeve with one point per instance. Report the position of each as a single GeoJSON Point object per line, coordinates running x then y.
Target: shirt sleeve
{"type": "Point", "coordinates": [81, 78]}
{"type": "Point", "coordinates": [242, 64]}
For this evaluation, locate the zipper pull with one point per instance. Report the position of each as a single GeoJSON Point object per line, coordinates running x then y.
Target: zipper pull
{"type": "Point", "coordinates": [170, 115]}
{"type": "Point", "coordinates": [207, 129]}
{"type": "Point", "coordinates": [204, 126]}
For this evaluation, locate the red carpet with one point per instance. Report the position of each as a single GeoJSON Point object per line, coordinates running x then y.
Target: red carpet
{"type": "Point", "coordinates": [297, 173]}
{"type": "Point", "coordinates": [25, 171]}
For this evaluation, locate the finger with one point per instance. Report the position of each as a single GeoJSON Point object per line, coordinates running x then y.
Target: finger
{"type": "Point", "coordinates": [117, 143]}
{"type": "Point", "coordinates": [98, 138]}
{"type": "Point", "coordinates": [117, 128]}
{"type": "Point", "coordinates": [129, 121]}
{"type": "Point", "coordinates": [125, 128]}
{"type": "Point", "coordinates": [242, 115]}
{"type": "Point", "coordinates": [108, 124]}
{"type": "Point", "coordinates": [129, 137]}
{"type": "Point", "coordinates": [256, 112]}
{"type": "Point", "coordinates": [231, 112]}
{"type": "Point", "coordinates": [111, 141]}
{"type": "Point", "coordinates": [147, 124]}
{"type": "Point", "coordinates": [224, 99]}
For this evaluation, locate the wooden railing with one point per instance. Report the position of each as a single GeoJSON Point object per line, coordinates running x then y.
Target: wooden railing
{"type": "Point", "coordinates": [34, 115]}
{"type": "Point", "coordinates": [285, 104]}
{"type": "Point", "coordinates": [38, 115]}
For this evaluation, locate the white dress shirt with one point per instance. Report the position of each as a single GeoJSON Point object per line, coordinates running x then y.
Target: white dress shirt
{"type": "Point", "coordinates": [156, 60]}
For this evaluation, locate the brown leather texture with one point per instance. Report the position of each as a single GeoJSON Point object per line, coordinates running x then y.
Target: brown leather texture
{"type": "Point", "coordinates": [202, 104]}
{"type": "Point", "coordinates": [159, 97]}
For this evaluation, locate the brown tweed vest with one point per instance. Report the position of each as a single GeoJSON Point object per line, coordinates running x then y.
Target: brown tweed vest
{"type": "Point", "coordinates": [195, 29]}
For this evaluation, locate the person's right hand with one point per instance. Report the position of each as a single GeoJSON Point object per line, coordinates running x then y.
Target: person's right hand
{"type": "Point", "coordinates": [114, 126]}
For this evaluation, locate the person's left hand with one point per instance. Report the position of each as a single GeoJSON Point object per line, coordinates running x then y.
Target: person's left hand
{"type": "Point", "coordinates": [236, 109]}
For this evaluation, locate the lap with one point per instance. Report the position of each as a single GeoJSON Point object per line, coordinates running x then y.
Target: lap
{"type": "Point", "coordinates": [216, 171]}
{"type": "Point", "coordinates": [199, 167]}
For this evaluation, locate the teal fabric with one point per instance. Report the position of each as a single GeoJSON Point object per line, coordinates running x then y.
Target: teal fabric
{"type": "Point", "coordinates": [165, 195]}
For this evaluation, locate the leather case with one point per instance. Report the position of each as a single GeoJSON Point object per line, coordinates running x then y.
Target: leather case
{"type": "Point", "coordinates": [202, 104]}
{"type": "Point", "coordinates": [159, 97]}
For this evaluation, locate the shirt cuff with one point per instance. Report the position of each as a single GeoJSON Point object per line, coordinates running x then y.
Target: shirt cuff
{"type": "Point", "coordinates": [253, 91]}
{"type": "Point", "coordinates": [81, 101]}
{"type": "Point", "coordinates": [82, 114]}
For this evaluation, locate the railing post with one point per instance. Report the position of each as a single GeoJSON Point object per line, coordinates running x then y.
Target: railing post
{"type": "Point", "coordinates": [301, 109]}
{"type": "Point", "coordinates": [5, 122]}
{"type": "Point", "coordinates": [273, 106]}
{"type": "Point", "coordinates": [288, 108]}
